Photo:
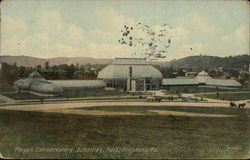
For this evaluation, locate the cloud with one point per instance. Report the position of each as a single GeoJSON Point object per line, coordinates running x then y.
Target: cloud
{"type": "Point", "coordinates": [51, 21]}
{"type": "Point", "coordinates": [184, 50]}
{"type": "Point", "coordinates": [237, 41]}
{"type": "Point", "coordinates": [208, 41]}
{"type": "Point", "coordinates": [197, 23]}
{"type": "Point", "coordinates": [240, 34]}
{"type": "Point", "coordinates": [51, 39]}
{"type": "Point", "coordinates": [108, 19]}
{"type": "Point", "coordinates": [54, 37]}
{"type": "Point", "coordinates": [179, 33]}
{"type": "Point", "coordinates": [97, 50]}
{"type": "Point", "coordinates": [194, 28]}
{"type": "Point", "coordinates": [109, 24]}
{"type": "Point", "coordinates": [12, 27]}
{"type": "Point", "coordinates": [13, 47]}
{"type": "Point", "coordinates": [57, 32]}
{"type": "Point", "coordinates": [192, 31]}
{"type": "Point", "coordinates": [12, 33]}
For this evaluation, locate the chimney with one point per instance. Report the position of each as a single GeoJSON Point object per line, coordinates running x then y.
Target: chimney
{"type": "Point", "coordinates": [130, 77]}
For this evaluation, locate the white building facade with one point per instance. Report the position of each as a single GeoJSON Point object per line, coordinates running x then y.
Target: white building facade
{"type": "Point", "coordinates": [131, 74]}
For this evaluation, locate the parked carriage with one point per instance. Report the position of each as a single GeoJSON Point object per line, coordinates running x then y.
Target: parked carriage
{"type": "Point", "coordinates": [154, 99]}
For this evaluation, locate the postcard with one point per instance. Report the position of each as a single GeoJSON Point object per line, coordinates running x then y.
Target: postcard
{"type": "Point", "coordinates": [124, 79]}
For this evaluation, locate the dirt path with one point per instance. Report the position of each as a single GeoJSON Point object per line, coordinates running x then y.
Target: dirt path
{"type": "Point", "coordinates": [70, 108]}
{"type": "Point", "coordinates": [7, 99]}
{"type": "Point", "coordinates": [50, 106]}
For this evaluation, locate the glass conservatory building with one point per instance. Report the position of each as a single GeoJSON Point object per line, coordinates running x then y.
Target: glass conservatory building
{"type": "Point", "coordinates": [131, 74]}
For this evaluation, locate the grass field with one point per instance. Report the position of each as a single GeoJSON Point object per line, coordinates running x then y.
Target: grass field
{"type": "Point", "coordinates": [145, 109]}
{"type": "Point", "coordinates": [185, 137]}
{"type": "Point", "coordinates": [21, 96]}
{"type": "Point", "coordinates": [27, 96]}
{"type": "Point", "coordinates": [95, 94]}
{"type": "Point", "coordinates": [228, 96]}
{"type": "Point", "coordinates": [194, 90]}
{"type": "Point", "coordinates": [2, 101]}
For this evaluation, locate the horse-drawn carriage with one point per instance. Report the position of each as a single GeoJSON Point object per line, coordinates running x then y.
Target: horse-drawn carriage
{"type": "Point", "coordinates": [154, 99]}
{"type": "Point", "coordinates": [189, 99]}
{"type": "Point", "coordinates": [234, 105]}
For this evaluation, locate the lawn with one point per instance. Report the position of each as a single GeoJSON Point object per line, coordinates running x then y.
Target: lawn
{"type": "Point", "coordinates": [107, 136]}
{"type": "Point", "coordinates": [86, 94]}
{"type": "Point", "coordinates": [2, 101]}
{"type": "Point", "coordinates": [145, 109]}
{"type": "Point", "coordinates": [194, 90]}
{"type": "Point", "coordinates": [20, 96]}
{"type": "Point", "coordinates": [228, 96]}
{"type": "Point", "coordinates": [95, 94]}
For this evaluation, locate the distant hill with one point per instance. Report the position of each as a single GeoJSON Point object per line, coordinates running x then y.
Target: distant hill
{"type": "Point", "coordinates": [33, 61]}
{"type": "Point", "coordinates": [199, 63]}
{"type": "Point", "coordinates": [192, 62]}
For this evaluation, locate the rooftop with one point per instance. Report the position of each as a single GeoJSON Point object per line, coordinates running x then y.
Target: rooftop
{"type": "Point", "coordinates": [129, 61]}
{"type": "Point", "coordinates": [180, 81]}
{"type": "Point", "coordinates": [122, 72]}
{"type": "Point", "coordinates": [119, 69]}
{"type": "Point", "coordinates": [220, 82]}
{"type": "Point", "coordinates": [202, 77]}
{"type": "Point", "coordinates": [78, 83]}
{"type": "Point", "coordinates": [35, 74]}
{"type": "Point", "coordinates": [202, 73]}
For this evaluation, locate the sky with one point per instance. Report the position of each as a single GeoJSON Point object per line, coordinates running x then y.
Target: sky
{"type": "Point", "coordinates": [91, 28]}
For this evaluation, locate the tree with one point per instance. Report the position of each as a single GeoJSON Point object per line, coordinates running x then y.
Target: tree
{"type": "Point", "coordinates": [47, 65]}
{"type": "Point", "coordinates": [11, 77]}
{"type": "Point", "coordinates": [71, 70]}
{"type": "Point", "coordinates": [5, 67]}
{"type": "Point", "coordinates": [38, 68]}
{"type": "Point", "coordinates": [15, 66]}
{"type": "Point", "coordinates": [22, 72]}
{"type": "Point", "coordinates": [63, 67]}
{"type": "Point", "coordinates": [180, 72]}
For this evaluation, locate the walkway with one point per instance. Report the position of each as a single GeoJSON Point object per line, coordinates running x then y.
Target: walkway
{"type": "Point", "coordinates": [73, 107]}
{"type": "Point", "coordinates": [7, 99]}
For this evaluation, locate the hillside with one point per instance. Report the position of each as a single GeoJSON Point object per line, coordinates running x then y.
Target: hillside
{"type": "Point", "coordinates": [199, 63]}
{"type": "Point", "coordinates": [33, 61]}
